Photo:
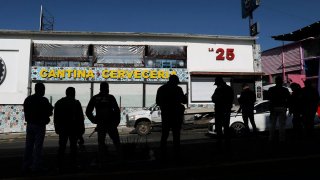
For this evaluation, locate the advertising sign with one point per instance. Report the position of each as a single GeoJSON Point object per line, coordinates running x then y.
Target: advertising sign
{"type": "Point", "coordinates": [220, 58]}
{"type": "Point", "coordinates": [93, 74]}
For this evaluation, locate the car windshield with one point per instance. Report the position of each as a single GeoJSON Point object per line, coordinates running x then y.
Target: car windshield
{"type": "Point", "coordinates": [152, 107]}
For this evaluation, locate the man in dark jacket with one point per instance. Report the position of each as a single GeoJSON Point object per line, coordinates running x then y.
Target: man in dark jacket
{"type": "Point", "coordinates": [310, 99]}
{"type": "Point", "coordinates": [278, 96]}
{"type": "Point", "coordinates": [170, 98]}
{"type": "Point", "coordinates": [246, 101]}
{"type": "Point", "coordinates": [223, 99]}
{"type": "Point", "coordinates": [37, 111]}
{"type": "Point", "coordinates": [69, 124]}
{"type": "Point", "coordinates": [107, 117]}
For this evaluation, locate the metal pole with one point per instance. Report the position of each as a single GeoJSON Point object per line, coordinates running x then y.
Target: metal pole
{"type": "Point", "coordinates": [41, 17]}
{"type": "Point", "coordinates": [250, 21]}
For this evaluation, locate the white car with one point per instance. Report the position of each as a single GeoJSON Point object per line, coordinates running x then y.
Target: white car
{"type": "Point", "coordinates": [261, 117]}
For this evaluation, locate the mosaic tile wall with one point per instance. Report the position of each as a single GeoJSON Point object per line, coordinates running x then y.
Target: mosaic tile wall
{"type": "Point", "coordinates": [12, 119]}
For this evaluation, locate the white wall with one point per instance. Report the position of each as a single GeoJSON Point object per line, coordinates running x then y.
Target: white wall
{"type": "Point", "coordinates": [16, 55]}
{"type": "Point", "coordinates": [200, 59]}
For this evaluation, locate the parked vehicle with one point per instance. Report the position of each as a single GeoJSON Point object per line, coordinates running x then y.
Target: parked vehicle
{"type": "Point", "coordinates": [143, 120]}
{"type": "Point", "coordinates": [261, 117]}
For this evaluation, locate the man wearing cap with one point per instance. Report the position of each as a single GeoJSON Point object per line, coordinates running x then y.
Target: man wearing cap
{"type": "Point", "coordinates": [222, 99]}
{"type": "Point", "coordinates": [170, 98]}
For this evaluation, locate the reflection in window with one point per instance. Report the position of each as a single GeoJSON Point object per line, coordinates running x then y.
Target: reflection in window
{"type": "Point", "coordinates": [165, 63]}
{"type": "Point", "coordinates": [311, 48]}
{"type": "Point", "coordinates": [167, 52]}
{"type": "Point", "coordinates": [120, 56]}
{"type": "Point", "coordinates": [311, 67]}
{"type": "Point", "coordinates": [127, 95]}
{"type": "Point", "coordinates": [74, 64]}
{"type": "Point", "coordinates": [62, 63]}
{"type": "Point", "coordinates": [37, 63]}
{"type": "Point", "coordinates": [55, 91]}
{"type": "Point", "coordinates": [151, 92]}
{"type": "Point", "coordinates": [50, 63]}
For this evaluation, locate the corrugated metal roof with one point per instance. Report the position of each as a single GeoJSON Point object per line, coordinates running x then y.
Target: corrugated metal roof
{"type": "Point", "coordinates": [124, 34]}
{"type": "Point", "coordinates": [312, 30]}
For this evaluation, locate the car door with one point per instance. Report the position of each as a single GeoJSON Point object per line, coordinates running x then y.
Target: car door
{"type": "Point", "coordinates": [156, 114]}
{"type": "Point", "coordinates": [262, 115]}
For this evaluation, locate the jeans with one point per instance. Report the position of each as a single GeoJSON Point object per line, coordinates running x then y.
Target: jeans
{"type": "Point", "coordinates": [278, 113]}
{"type": "Point", "coordinates": [63, 140]}
{"type": "Point", "coordinates": [171, 121]}
{"type": "Point", "coordinates": [33, 147]}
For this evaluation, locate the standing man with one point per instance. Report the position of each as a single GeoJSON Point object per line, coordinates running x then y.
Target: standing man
{"type": "Point", "coordinates": [37, 111]}
{"type": "Point", "coordinates": [170, 98]}
{"type": "Point", "coordinates": [310, 99]}
{"type": "Point", "coordinates": [246, 101]}
{"type": "Point", "coordinates": [295, 109]}
{"type": "Point", "coordinates": [69, 124]}
{"type": "Point", "coordinates": [107, 117]}
{"type": "Point", "coordinates": [223, 99]}
{"type": "Point", "coordinates": [278, 96]}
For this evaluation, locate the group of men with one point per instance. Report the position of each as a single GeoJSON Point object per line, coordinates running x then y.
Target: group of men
{"type": "Point", "coordinates": [68, 122]}
{"type": "Point", "coordinates": [302, 103]}
{"type": "Point", "coordinates": [69, 117]}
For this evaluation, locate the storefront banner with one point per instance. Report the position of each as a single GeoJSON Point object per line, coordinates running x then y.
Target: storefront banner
{"type": "Point", "coordinates": [93, 74]}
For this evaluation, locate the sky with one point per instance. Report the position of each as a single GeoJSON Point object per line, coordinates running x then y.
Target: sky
{"type": "Point", "coordinates": [209, 17]}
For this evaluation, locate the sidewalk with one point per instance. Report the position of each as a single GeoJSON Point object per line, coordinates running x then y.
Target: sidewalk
{"type": "Point", "coordinates": [250, 158]}
{"type": "Point", "coordinates": [12, 136]}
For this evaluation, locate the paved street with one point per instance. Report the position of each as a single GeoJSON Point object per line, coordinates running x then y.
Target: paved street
{"type": "Point", "coordinates": [250, 158]}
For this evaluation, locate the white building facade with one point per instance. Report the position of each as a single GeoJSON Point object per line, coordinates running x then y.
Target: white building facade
{"type": "Point", "coordinates": [134, 64]}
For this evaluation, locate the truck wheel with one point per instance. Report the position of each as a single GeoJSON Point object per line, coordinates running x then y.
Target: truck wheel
{"type": "Point", "coordinates": [238, 129]}
{"type": "Point", "coordinates": [143, 128]}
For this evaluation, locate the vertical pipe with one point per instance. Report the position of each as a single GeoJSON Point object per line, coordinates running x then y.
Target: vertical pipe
{"type": "Point", "coordinates": [144, 95]}
{"type": "Point", "coordinates": [301, 59]}
{"type": "Point", "coordinates": [283, 64]}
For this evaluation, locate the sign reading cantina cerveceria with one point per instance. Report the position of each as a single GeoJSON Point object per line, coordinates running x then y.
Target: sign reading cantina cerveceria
{"type": "Point", "coordinates": [103, 74]}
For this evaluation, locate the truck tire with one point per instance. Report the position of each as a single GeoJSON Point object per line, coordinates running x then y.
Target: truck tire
{"type": "Point", "coordinates": [143, 128]}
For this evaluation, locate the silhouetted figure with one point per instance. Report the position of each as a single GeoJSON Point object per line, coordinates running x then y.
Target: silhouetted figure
{"type": "Point", "coordinates": [246, 101]}
{"type": "Point", "coordinates": [170, 98]}
{"type": "Point", "coordinates": [223, 99]}
{"type": "Point", "coordinates": [295, 108]}
{"type": "Point", "coordinates": [37, 111]}
{"type": "Point", "coordinates": [69, 124]}
{"type": "Point", "coordinates": [278, 96]}
{"type": "Point", "coordinates": [107, 118]}
{"type": "Point", "coordinates": [310, 98]}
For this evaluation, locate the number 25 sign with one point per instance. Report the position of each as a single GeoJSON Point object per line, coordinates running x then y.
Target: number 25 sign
{"type": "Point", "coordinates": [223, 54]}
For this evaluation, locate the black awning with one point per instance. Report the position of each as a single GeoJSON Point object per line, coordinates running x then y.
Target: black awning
{"type": "Point", "coordinates": [312, 30]}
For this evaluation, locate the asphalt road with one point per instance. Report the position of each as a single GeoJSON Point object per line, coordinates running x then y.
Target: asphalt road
{"type": "Point", "coordinates": [201, 158]}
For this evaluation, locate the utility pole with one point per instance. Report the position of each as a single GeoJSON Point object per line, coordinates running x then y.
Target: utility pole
{"type": "Point", "coordinates": [248, 6]}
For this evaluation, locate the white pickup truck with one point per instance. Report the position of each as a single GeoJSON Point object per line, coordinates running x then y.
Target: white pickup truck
{"type": "Point", "coordinates": [143, 120]}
